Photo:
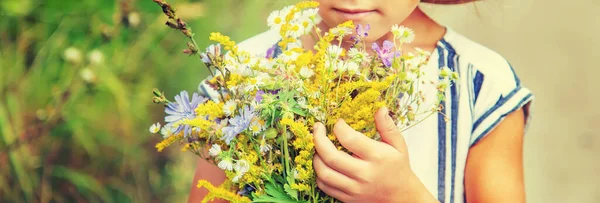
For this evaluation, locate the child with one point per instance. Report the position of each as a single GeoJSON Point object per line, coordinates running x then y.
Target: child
{"type": "Point", "coordinates": [470, 152]}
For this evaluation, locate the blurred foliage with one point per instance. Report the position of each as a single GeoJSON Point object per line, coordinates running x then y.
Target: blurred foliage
{"type": "Point", "coordinates": [75, 95]}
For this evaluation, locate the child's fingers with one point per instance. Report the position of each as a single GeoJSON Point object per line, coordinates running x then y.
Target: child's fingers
{"type": "Point", "coordinates": [388, 130]}
{"type": "Point", "coordinates": [332, 177]}
{"type": "Point", "coordinates": [354, 141]}
{"type": "Point", "coordinates": [331, 156]}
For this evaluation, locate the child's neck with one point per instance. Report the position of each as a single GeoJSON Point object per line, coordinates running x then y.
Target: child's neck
{"type": "Point", "coordinates": [427, 33]}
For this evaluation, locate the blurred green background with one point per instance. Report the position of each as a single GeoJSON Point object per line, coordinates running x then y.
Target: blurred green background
{"type": "Point", "coordinates": [76, 79]}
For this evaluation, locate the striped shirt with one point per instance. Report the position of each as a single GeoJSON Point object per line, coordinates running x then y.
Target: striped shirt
{"type": "Point", "coordinates": [487, 91]}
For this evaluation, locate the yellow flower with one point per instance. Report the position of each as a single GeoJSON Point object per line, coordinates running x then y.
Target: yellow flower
{"type": "Point", "coordinates": [234, 79]}
{"type": "Point", "coordinates": [170, 140]}
{"type": "Point", "coordinates": [211, 109]}
{"type": "Point", "coordinates": [227, 43]}
{"type": "Point", "coordinates": [300, 187]}
{"type": "Point", "coordinates": [221, 193]}
{"type": "Point", "coordinates": [307, 4]}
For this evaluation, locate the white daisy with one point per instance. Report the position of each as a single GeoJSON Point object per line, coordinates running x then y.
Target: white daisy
{"type": "Point", "coordinates": [257, 126]}
{"type": "Point", "coordinates": [288, 56]}
{"type": "Point", "coordinates": [404, 34]}
{"type": "Point", "coordinates": [358, 55]}
{"type": "Point", "coordinates": [229, 107]}
{"type": "Point", "coordinates": [155, 128]}
{"type": "Point", "coordinates": [334, 51]}
{"type": "Point", "coordinates": [352, 67]}
{"type": "Point", "coordinates": [215, 150]}
{"type": "Point", "coordinates": [306, 72]}
{"type": "Point", "coordinates": [166, 131]}
{"type": "Point", "coordinates": [264, 148]}
{"type": "Point", "coordinates": [251, 85]}
{"type": "Point", "coordinates": [341, 31]}
{"type": "Point", "coordinates": [241, 166]}
{"type": "Point", "coordinates": [276, 20]}
{"type": "Point", "coordinates": [297, 29]}
{"type": "Point", "coordinates": [226, 164]}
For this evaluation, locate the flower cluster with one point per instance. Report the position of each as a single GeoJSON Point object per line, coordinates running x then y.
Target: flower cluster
{"type": "Point", "coordinates": [257, 126]}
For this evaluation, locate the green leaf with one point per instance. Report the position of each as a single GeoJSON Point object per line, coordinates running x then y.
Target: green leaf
{"type": "Point", "coordinates": [275, 192]}
{"type": "Point", "coordinates": [291, 192]}
{"type": "Point", "coordinates": [299, 111]}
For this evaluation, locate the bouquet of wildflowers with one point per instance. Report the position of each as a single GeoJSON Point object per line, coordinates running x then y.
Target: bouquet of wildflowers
{"type": "Point", "coordinates": [256, 127]}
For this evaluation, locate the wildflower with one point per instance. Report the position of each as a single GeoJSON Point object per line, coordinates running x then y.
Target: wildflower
{"type": "Point", "coordinates": [168, 141]}
{"type": "Point", "coordinates": [183, 109]}
{"type": "Point", "coordinates": [402, 33]}
{"type": "Point", "coordinates": [289, 56]}
{"type": "Point", "coordinates": [222, 193]}
{"type": "Point", "coordinates": [226, 164]}
{"type": "Point", "coordinates": [352, 67]}
{"type": "Point", "coordinates": [386, 53]}
{"type": "Point", "coordinates": [276, 20]}
{"type": "Point", "coordinates": [87, 75]}
{"type": "Point", "coordinates": [306, 72]}
{"type": "Point", "coordinates": [241, 166]}
{"type": "Point", "coordinates": [334, 51]}
{"type": "Point", "coordinates": [238, 124]}
{"type": "Point", "coordinates": [96, 57]}
{"type": "Point", "coordinates": [257, 126]}
{"type": "Point", "coordinates": [229, 107]}
{"type": "Point", "coordinates": [361, 31]}
{"type": "Point", "coordinates": [154, 128]}
{"type": "Point", "coordinates": [341, 31]}
{"type": "Point", "coordinates": [226, 41]}
{"type": "Point", "coordinates": [215, 150]}
{"type": "Point", "coordinates": [72, 55]}
{"type": "Point", "coordinates": [213, 50]}
{"type": "Point", "coordinates": [357, 55]}
{"type": "Point", "coordinates": [166, 131]}
{"type": "Point", "coordinates": [264, 147]}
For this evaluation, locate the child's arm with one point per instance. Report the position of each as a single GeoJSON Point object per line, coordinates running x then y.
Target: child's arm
{"type": "Point", "coordinates": [206, 171]}
{"type": "Point", "coordinates": [494, 170]}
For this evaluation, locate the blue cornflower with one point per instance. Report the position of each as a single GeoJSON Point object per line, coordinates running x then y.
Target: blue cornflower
{"type": "Point", "coordinates": [183, 109]}
{"type": "Point", "coordinates": [238, 124]}
{"type": "Point", "coordinates": [386, 53]}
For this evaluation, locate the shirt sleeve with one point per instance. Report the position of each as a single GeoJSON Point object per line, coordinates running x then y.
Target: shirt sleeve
{"type": "Point", "coordinates": [497, 92]}
{"type": "Point", "coordinates": [207, 91]}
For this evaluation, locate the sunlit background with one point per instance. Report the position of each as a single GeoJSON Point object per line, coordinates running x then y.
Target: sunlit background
{"type": "Point", "coordinates": [76, 79]}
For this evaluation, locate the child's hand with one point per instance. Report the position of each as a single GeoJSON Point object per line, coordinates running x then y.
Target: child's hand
{"type": "Point", "coordinates": [377, 172]}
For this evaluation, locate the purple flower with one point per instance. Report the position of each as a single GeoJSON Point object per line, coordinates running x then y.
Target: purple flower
{"type": "Point", "coordinates": [361, 31]}
{"type": "Point", "coordinates": [238, 124]}
{"type": "Point", "coordinates": [386, 53]}
{"type": "Point", "coordinates": [258, 97]}
{"type": "Point", "coordinates": [271, 52]}
{"type": "Point", "coordinates": [182, 109]}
